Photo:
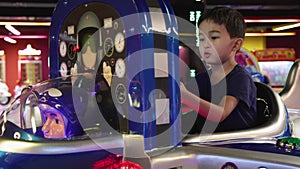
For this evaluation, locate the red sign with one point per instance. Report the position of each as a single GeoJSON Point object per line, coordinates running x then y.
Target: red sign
{"type": "Point", "coordinates": [275, 54]}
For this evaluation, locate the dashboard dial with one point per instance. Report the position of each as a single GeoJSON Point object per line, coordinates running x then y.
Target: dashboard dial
{"type": "Point", "coordinates": [63, 69]}
{"type": "Point", "coordinates": [119, 42]}
{"type": "Point", "coordinates": [71, 51]}
{"type": "Point", "coordinates": [120, 68]}
{"type": "Point", "coordinates": [121, 93]}
{"type": "Point", "coordinates": [63, 48]}
{"type": "Point", "coordinates": [108, 47]}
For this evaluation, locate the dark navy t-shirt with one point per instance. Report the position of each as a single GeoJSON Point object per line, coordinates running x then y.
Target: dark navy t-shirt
{"type": "Point", "coordinates": [238, 84]}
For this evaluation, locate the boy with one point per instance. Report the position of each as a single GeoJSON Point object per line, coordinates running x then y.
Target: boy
{"type": "Point", "coordinates": [227, 92]}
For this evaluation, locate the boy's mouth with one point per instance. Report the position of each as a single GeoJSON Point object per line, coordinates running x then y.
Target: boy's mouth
{"type": "Point", "coordinates": [206, 54]}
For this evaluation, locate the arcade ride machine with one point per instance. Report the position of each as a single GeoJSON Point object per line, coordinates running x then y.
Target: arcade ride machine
{"type": "Point", "coordinates": [290, 91]}
{"type": "Point", "coordinates": [129, 53]}
{"type": "Point", "coordinates": [125, 60]}
{"type": "Point", "coordinates": [130, 61]}
{"type": "Point", "coordinates": [275, 64]}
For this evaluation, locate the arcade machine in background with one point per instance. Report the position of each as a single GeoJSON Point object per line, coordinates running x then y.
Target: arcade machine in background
{"type": "Point", "coordinates": [250, 63]}
{"type": "Point", "coordinates": [29, 65]}
{"type": "Point", "coordinates": [2, 65]}
{"type": "Point", "coordinates": [275, 64]}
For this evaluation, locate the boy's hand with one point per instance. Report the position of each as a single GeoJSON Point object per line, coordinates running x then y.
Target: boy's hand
{"type": "Point", "coordinates": [183, 92]}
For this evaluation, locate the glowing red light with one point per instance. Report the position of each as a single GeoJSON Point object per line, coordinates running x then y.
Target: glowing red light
{"type": "Point", "coordinates": [76, 48]}
{"type": "Point", "coordinates": [129, 165]}
{"type": "Point", "coordinates": [115, 162]}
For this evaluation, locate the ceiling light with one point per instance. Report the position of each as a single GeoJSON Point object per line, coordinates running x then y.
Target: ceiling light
{"type": "Point", "coordinates": [10, 40]}
{"type": "Point", "coordinates": [271, 20]}
{"type": "Point", "coordinates": [1, 52]}
{"type": "Point", "coordinates": [26, 37]}
{"type": "Point", "coordinates": [286, 26]}
{"type": "Point", "coordinates": [26, 23]}
{"type": "Point", "coordinates": [270, 34]}
{"type": "Point", "coordinates": [12, 30]}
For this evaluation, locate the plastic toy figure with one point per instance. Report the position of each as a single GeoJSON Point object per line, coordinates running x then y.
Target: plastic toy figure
{"type": "Point", "coordinates": [107, 74]}
{"type": "Point", "coordinates": [54, 126]}
{"type": "Point", "coordinates": [58, 112]}
{"type": "Point", "coordinates": [288, 143]}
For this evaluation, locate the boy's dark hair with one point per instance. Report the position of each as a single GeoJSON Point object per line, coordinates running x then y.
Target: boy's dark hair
{"type": "Point", "coordinates": [231, 18]}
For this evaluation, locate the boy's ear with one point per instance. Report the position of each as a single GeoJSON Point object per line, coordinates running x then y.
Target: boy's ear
{"type": "Point", "coordinates": [238, 44]}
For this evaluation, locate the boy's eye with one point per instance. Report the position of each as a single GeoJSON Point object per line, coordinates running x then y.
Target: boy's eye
{"type": "Point", "coordinates": [214, 37]}
{"type": "Point", "coordinates": [57, 121]}
{"type": "Point", "coordinates": [201, 38]}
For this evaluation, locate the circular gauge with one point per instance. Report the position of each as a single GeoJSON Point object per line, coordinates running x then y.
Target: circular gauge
{"type": "Point", "coordinates": [63, 69]}
{"type": "Point", "coordinates": [119, 42]}
{"type": "Point", "coordinates": [116, 25]}
{"type": "Point", "coordinates": [71, 52]}
{"type": "Point", "coordinates": [108, 47]}
{"type": "Point", "coordinates": [63, 48]}
{"type": "Point", "coordinates": [120, 68]}
{"type": "Point", "coordinates": [121, 93]}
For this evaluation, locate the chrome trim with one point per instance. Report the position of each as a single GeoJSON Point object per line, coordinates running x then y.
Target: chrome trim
{"type": "Point", "coordinates": [61, 146]}
{"type": "Point", "coordinates": [200, 156]}
{"type": "Point", "coordinates": [294, 110]}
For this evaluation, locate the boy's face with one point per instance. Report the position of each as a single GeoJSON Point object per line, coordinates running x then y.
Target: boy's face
{"type": "Point", "coordinates": [54, 126]}
{"type": "Point", "coordinates": [216, 46]}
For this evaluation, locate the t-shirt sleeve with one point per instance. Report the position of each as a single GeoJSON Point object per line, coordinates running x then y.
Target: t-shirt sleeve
{"type": "Point", "coordinates": [240, 85]}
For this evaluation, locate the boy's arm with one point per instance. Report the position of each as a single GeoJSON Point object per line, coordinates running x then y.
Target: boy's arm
{"type": "Point", "coordinates": [206, 109]}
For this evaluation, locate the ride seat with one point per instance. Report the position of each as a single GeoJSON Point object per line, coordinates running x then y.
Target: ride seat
{"type": "Point", "coordinates": [290, 94]}
{"type": "Point", "coordinates": [267, 105]}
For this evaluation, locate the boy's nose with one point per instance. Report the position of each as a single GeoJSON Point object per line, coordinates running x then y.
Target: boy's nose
{"type": "Point", "coordinates": [206, 43]}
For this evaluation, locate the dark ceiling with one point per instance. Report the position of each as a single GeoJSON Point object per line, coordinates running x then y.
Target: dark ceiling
{"type": "Point", "coordinates": [277, 8]}
{"type": "Point", "coordinates": [43, 9]}
{"type": "Point", "coordinates": [34, 8]}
